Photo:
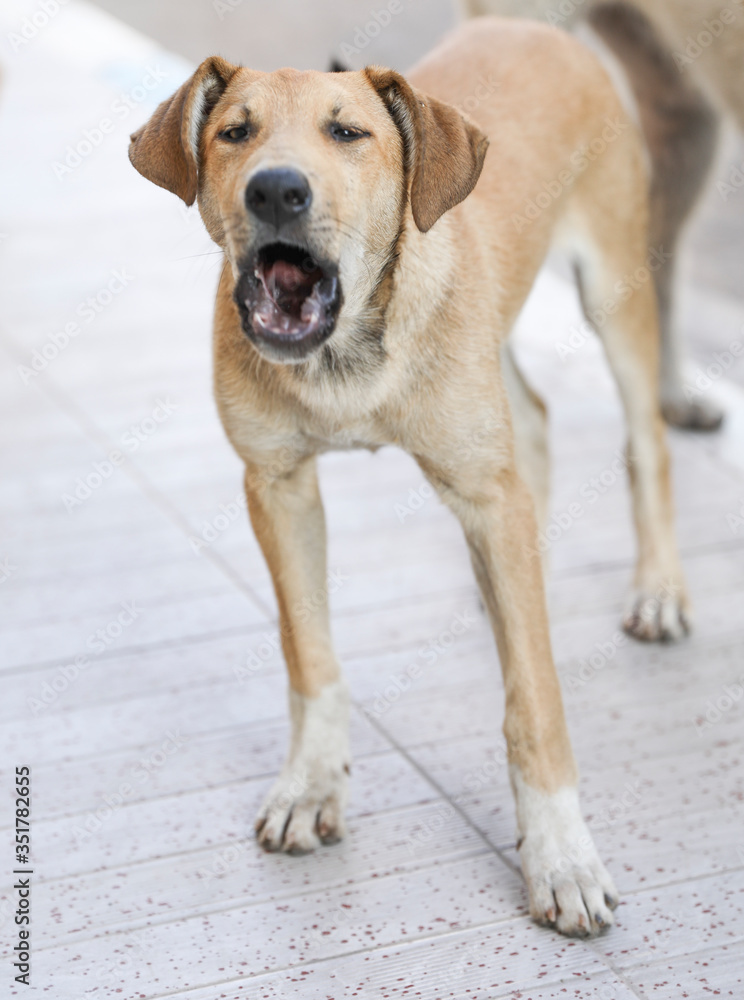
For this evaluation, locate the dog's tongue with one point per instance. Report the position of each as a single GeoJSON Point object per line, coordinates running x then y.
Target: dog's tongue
{"type": "Point", "coordinates": [289, 286]}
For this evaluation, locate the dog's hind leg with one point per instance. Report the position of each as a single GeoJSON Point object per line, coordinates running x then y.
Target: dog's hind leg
{"type": "Point", "coordinates": [306, 805]}
{"type": "Point", "coordinates": [680, 129]}
{"type": "Point", "coordinates": [615, 269]}
{"type": "Point", "coordinates": [530, 434]}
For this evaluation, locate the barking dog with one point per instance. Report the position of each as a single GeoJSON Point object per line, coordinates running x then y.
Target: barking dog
{"type": "Point", "coordinates": [372, 275]}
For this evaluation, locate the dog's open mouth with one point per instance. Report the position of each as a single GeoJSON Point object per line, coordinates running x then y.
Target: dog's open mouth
{"type": "Point", "coordinates": [287, 298]}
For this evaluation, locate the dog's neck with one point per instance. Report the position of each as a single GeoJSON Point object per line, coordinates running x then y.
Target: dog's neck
{"type": "Point", "coordinates": [367, 366]}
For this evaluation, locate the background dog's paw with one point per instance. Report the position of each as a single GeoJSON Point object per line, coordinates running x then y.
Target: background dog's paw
{"type": "Point", "coordinates": [658, 614]}
{"type": "Point", "coordinates": [693, 415]}
{"type": "Point", "coordinates": [300, 814]}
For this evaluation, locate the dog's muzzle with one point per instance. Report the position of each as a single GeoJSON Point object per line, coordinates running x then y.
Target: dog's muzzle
{"type": "Point", "coordinates": [288, 300]}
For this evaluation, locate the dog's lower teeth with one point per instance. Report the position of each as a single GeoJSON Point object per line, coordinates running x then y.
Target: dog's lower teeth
{"type": "Point", "coordinates": [310, 309]}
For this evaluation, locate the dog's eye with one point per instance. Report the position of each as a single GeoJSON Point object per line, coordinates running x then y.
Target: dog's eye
{"type": "Point", "coordinates": [234, 134]}
{"type": "Point", "coordinates": [347, 133]}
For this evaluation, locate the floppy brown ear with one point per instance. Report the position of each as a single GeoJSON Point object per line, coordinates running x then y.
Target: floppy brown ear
{"type": "Point", "coordinates": [444, 151]}
{"type": "Point", "coordinates": [166, 149]}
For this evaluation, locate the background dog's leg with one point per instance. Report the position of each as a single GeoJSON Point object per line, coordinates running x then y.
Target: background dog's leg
{"type": "Point", "coordinates": [611, 245]}
{"type": "Point", "coordinates": [530, 435]}
{"type": "Point", "coordinates": [307, 803]}
{"type": "Point", "coordinates": [567, 883]}
{"type": "Point", "coordinates": [680, 127]}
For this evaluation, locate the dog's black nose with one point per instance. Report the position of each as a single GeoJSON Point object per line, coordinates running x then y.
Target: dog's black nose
{"type": "Point", "coordinates": [278, 196]}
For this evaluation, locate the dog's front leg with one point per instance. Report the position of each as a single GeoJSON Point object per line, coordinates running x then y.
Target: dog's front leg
{"type": "Point", "coordinates": [567, 883]}
{"type": "Point", "coordinates": [306, 805]}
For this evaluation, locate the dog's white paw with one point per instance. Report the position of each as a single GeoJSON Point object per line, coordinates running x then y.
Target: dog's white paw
{"type": "Point", "coordinates": [306, 806]}
{"type": "Point", "coordinates": [658, 614]}
{"type": "Point", "coordinates": [568, 886]}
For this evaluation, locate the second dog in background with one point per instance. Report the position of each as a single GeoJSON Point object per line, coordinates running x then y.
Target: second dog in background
{"type": "Point", "coordinates": [680, 66]}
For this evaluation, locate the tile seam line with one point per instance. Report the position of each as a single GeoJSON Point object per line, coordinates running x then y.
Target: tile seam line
{"type": "Point", "coordinates": [440, 790]}
{"type": "Point", "coordinates": [499, 847]}
{"type": "Point", "coordinates": [507, 862]}
{"type": "Point", "coordinates": [201, 739]}
{"type": "Point", "coordinates": [454, 858]}
{"type": "Point", "coordinates": [423, 939]}
{"type": "Point", "coordinates": [348, 656]}
{"type": "Point", "coordinates": [196, 912]}
{"type": "Point", "coordinates": [711, 949]}
{"type": "Point", "coordinates": [139, 862]}
{"type": "Point", "coordinates": [233, 630]}
{"type": "Point", "coordinates": [167, 508]}
{"type": "Point", "coordinates": [617, 973]}
{"type": "Point", "coordinates": [705, 645]}
{"type": "Point", "coordinates": [216, 786]}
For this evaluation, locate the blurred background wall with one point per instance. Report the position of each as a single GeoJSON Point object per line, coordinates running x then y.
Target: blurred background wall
{"type": "Point", "coordinates": [266, 34]}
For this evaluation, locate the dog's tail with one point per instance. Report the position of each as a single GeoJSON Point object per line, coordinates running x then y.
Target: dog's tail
{"type": "Point", "coordinates": [336, 66]}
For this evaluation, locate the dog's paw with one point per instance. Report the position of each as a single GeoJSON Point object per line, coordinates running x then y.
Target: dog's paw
{"type": "Point", "coordinates": [692, 415]}
{"type": "Point", "coordinates": [303, 811]}
{"type": "Point", "coordinates": [578, 900]}
{"type": "Point", "coordinates": [658, 614]}
{"type": "Point", "coordinates": [306, 806]}
{"type": "Point", "coordinates": [568, 886]}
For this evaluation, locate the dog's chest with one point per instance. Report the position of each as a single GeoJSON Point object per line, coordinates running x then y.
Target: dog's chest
{"type": "Point", "coordinates": [327, 436]}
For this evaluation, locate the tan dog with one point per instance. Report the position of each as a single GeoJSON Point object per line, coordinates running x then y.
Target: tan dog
{"type": "Point", "coordinates": [680, 63]}
{"type": "Point", "coordinates": [373, 272]}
